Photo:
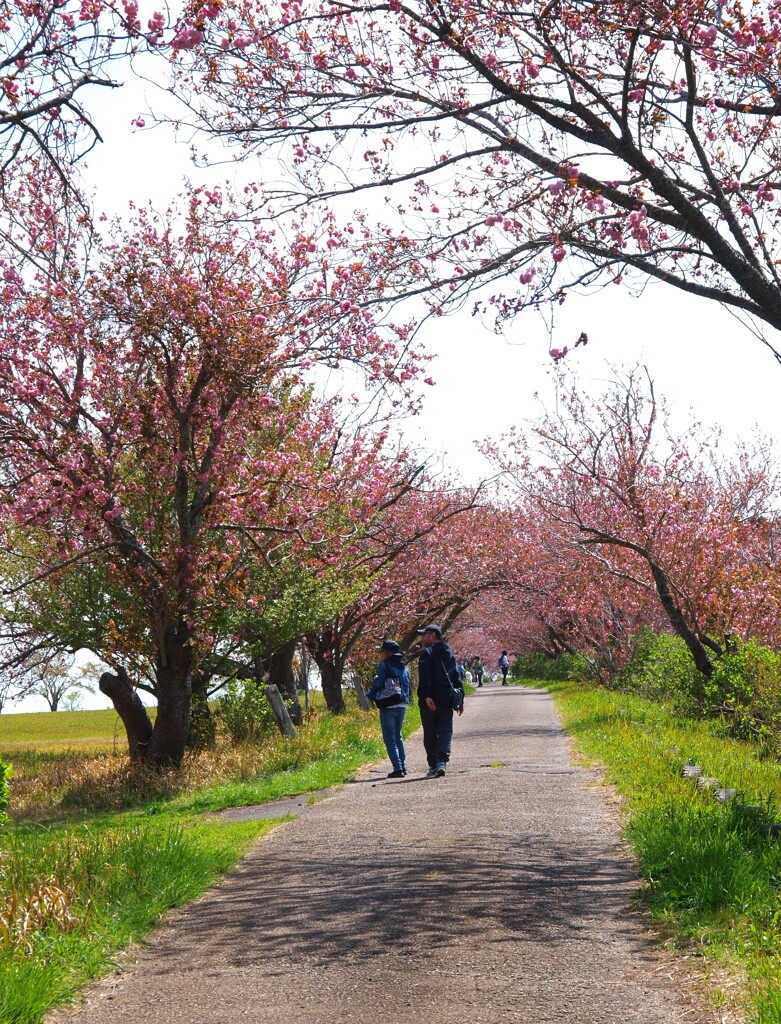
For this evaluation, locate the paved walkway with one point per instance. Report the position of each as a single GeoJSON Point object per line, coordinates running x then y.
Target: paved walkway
{"type": "Point", "coordinates": [497, 894]}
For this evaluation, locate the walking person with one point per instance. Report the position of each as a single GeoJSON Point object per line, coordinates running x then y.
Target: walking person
{"type": "Point", "coordinates": [477, 669]}
{"type": "Point", "coordinates": [437, 682]}
{"type": "Point", "coordinates": [390, 691]}
{"type": "Point", "coordinates": [504, 667]}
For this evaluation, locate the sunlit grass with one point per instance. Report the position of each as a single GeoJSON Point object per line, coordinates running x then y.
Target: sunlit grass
{"type": "Point", "coordinates": [80, 885]}
{"type": "Point", "coordinates": [50, 782]}
{"type": "Point", "coordinates": [71, 897]}
{"type": "Point", "coordinates": [61, 730]}
{"type": "Point", "coordinates": [713, 872]}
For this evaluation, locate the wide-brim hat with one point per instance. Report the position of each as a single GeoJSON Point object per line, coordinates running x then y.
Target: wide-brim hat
{"type": "Point", "coordinates": [390, 646]}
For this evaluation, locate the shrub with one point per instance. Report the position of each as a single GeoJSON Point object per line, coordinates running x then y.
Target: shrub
{"type": "Point", "coordinates": [746, 688]}
{"type": "Point", "coordinates": [244, 712]}
{"type": "Point", "coordinates": [538, 665]}
{"type": "Point", "coordinates": [663, 669]}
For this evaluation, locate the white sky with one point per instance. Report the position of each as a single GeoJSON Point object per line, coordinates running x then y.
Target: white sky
{"type": "Point", "coordinates": [699, 356]}
{"type": "Point", "coordinates": [697, 353]}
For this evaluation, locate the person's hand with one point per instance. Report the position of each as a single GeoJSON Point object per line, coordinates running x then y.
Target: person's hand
{"type": "Point", "coordinates": [460, 712]}
{"type": "Point", "coordinates": [430, 704]}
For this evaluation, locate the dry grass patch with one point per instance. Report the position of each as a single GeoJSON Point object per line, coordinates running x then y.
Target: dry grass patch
{"type": "Point", "coordinates": [24, 916]}
{"type": "Point", "coordinates": [48, 783]}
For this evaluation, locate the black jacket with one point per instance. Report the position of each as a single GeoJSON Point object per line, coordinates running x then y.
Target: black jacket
{"type": "Point", "coordinates": [437, 674]}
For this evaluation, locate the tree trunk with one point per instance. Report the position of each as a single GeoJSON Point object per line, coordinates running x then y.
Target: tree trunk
{"type": "Point", "coordinates": [128, 706]}
{"type": "Point", "coordinates": [282, 675]}
{"type": "Point", "coordinates": [174, 703]}
{"type": "Point", "coordinates": [203, 731]}
{"type": "Point", "coordinates": [332, 686]}
{"type": "Point", "coordinates": [682, 628]}
{"type": "Point", "coordinates": [321, 646]}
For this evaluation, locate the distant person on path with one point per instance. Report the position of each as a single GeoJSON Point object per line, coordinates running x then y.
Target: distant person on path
{"type": "Point", "coordinates": [504, 667]}
{"type": "Point", "coordinates": [390, 692]}
{"type": "Point", "coordinates": [438, 678]}
{"type": "Point", "coordinates": [477, 669]}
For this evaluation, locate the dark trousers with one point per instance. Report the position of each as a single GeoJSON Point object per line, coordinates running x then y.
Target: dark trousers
{"type": "Point", "coordinates": [437, 734]}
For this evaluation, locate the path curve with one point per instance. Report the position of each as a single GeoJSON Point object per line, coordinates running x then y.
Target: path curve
{"type": "Point", "coordinates": [498, 894]}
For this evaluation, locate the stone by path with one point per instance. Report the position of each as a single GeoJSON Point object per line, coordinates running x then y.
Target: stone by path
{"type": "Point", "coordinates": [498, 894]}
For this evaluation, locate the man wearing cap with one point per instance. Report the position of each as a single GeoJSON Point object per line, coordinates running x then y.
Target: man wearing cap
{"type": "Point", "coordinates": [390, 692]}
{"type": "Point", "coordinates": [437, 677]}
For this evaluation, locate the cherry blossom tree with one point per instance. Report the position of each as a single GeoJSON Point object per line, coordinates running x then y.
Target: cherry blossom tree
{"type": "Point", "coordinates": [397, 541]}
{"type": "Point", "coordinates": [531, 148]}
{"type": "Point", "coordinates": [160, 436]}
{"type": "Point", "coordinates": [435, 576]}
{"type": "Point", "coordinates": [660, 511]}
{"type": "Point", "coordinates": [56, 681]}
{"type": "Point", "coordinates": [54, 55]}
{"type": "Point", "coordinates": [555, 599]}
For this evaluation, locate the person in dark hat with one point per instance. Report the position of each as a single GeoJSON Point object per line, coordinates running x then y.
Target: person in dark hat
{"type": "Point", "coordinates": [390, 692]}
{"type": "Point", "coordinates": [438, 678]}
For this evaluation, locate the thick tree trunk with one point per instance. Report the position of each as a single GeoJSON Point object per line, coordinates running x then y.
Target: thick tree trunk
{"type": "Point", "coordinates": [332, 685]}
{"type": "Point", "coordinates": [174, 703]}
{"type": "Point", "coordinates": [128, 706]}
{"type": "Point", "coordinates": [321, 646]}
{"type": "Point", "coordinates": [203, 731]}
{"type": "Point", "coordinates": [283, 676]}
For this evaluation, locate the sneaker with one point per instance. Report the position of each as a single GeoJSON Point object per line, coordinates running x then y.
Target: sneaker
{"type": "Point", "coordinates": [439, 771]}
{"type": "Point", "coordinates": [396, 774]}
{"type": "Point", "coordinates": [432, 773]}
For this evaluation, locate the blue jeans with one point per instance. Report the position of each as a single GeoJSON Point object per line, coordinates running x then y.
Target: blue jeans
{"type": "Point", "coordinates": [391, 721]}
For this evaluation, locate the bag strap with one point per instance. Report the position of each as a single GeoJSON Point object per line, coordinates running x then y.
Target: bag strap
{"type": "Point", "coordinates": [454, 685]}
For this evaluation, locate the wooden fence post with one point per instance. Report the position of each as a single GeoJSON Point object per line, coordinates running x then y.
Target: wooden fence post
{"type": "Point", "coordinates": [283, 719]}
{"type": "Point", "coordinates": [363, 700]}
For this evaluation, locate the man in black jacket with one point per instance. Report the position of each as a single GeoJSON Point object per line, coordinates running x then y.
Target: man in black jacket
{"type": "Point", "coordinates": [437, 677]}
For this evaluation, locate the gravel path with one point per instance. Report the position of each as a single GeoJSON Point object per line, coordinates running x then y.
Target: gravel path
{"type": "Point", "coordinates": [497, 894]}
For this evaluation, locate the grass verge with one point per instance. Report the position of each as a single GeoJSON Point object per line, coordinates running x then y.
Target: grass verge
{"type": "Point", "coordinates": [712, 871]}
{"type": "Point", "coordinates": [75, 896]}
{"type": "Point", "coordinates": [82, 882]}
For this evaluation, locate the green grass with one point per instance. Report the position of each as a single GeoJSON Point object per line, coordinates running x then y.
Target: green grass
{"type": "Point", "coordinates": [75, 895]}
{"type": "Point", "coordinates": [713, 876]}
{"type": "Point", "coordinates": [60, 730]}
{"type": "Point", "coordinates": [78, 886]}
{"type": "Point", "coordinates": [55, 778]}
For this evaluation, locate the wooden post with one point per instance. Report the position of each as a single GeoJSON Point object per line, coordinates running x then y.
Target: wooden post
{"type": "Point", "coordinates": [363, 700]}
{"type": "Point", "coordinates": [283, 719]}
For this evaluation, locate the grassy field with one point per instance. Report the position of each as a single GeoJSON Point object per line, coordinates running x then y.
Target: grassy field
{"type": "Point", "coordinates": [97, 851]}
{"type": "Point", "coordinates": [62, 730]}
{"type": "Point", "coordinates": [713, 871]}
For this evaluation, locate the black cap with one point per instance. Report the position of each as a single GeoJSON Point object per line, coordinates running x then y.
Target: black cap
{"type": "Point", "coordinates": [431, 629]}
{"type": "Point", "coordinates": [390, 646]}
